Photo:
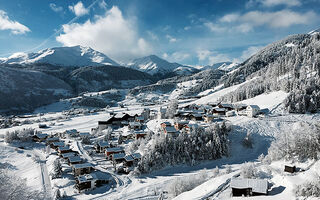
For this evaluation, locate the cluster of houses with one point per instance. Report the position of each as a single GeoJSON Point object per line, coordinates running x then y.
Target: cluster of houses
{"type": "Point", "coordinates": [211, 111]}
{"type": "Point", "coordinates": [86, 176]}
{"type": "Point", "coordinates": [117, 155]}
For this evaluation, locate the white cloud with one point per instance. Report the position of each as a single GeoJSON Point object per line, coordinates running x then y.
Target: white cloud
{"type": "Point", "coordinates": [248, 21]}
{"type": "Point", "coordinates": [55, 8]}
{"type": "Point", "coordinates": [111, 34]}
{"type": "Point", "coordinates": [79, 9]}
{"type": "Point", "coordinates": [14, 26]}
{"type": "Point", "coordinates": [152, 35]}
{"type": "Point", "coordinates": [271, 3]}
{"type": "Point", "coordinates": [229, 17]}
{"type": "Point", "coordinates": [250, 52]}
{"type": "Point", "coordinates": [278, 19]}
{"type": "Point", "coordinates": [211, 57]}
{"type": "Point", "coordinates": [171, 39]}
{"type": "Point", "coordinates": [214, 27]}
{"type": "Point", "coordinates": [187, 28]}
{"type": "Point", "coordinates": [177, 56]}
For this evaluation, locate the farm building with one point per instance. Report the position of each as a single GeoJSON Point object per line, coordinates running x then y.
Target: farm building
{"type": "Point", "coordinates": [252, 110]}
{"type": "Point", "coordinates": [249, 187]}
{"type": "Point", "coordinates": [219, 111]}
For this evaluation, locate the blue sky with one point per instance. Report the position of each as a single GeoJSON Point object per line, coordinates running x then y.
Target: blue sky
{"type": "Point", "coordinates": [189, 32]}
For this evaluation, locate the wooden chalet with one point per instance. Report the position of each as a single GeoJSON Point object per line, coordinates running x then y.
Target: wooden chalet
{"type": "Point", "coordinates": [40, 137]}
{"type": "Point", "coordinates": [50, 140]}
{"type": "Point", "coordinates": [196, 116]}
{"type": "Point", "coordinates": [219, 111]}
{"type": "Point", "coordinates": [110, 151]}
{"type": "Point", "coordinates": [85, 182]}
{"type": "Point", "coordinates": [135, 125]}
{"type": "Point", "coordinates": [101, 146]}
{"type": "Point", "coordinates": [226, 106]}
{"type": "Point", "coordinates": [55, 145]}
{"type": "Point", "coordinates": [180, 125]}
{"type": "Point", "coordinates": [80, 169]}
{"type": "Point", "coordinates": [170, 130]}
{"type": "Point", "coordinates": [64, 149]}
{"type": "Point", "coordinates": [249, 187]}
{"type": "Point", "coordinates": [68, 155]}
{"type": "Point", "coordinates": [118, 157]}
{"type": "Point", "coordinates": [139, 134]}
{"type": "Point", "coordinates": [74, 160]}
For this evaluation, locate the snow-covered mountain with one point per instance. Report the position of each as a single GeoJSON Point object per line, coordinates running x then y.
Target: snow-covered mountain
{"type": "Point", "coordinates": [76, 56]}
{"type": "Point", "coordinates": [315, 31]}
{"type": "Point", "coordinates": [154, 65]}
{"type": "Point", "coordinates": [224, 66]}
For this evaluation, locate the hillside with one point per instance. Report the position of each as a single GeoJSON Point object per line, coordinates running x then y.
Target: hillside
{"type": "Point", "coordinates": [291, 65]}
{"type": "Point", "coordinates": [23, 90]}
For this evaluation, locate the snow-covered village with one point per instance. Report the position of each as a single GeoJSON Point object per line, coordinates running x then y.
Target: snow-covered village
{"type": "Point", "coordinates": [94, 103]}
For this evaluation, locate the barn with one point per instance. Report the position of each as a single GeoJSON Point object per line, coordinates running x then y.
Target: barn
{"type": "Point", "coordinates": [249, 187]}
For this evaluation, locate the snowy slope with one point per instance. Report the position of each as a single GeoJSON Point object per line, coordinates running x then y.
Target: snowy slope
{"type": "Point", "coordinates": [317, 31]}
{"type": "Point", "coordinates": [154, 65]}
{"type": "Point", "coordinates": [225, 66]}
{"type": "Point", "coordinates": [78, 56]}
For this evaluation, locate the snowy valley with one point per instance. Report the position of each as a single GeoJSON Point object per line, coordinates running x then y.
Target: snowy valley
{"type": "Point", "coordinates": [160, 130]}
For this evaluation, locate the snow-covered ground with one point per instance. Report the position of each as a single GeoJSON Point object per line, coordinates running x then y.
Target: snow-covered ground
{"type": "Point", "coordinates": [151, 186]}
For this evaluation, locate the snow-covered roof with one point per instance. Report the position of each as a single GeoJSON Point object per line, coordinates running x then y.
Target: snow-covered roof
{"type": "Point", "coordinates": [219, 109]}
{"type": "Point", "coordinates": [63, 148]}
{"type": "Point", "coordinates": [53, 139]}
{"type": "Point", "coordinates": [128, 158]}
{"type": "Point", "coordinates": [114, 149]}
{"type": "Point", "coordinates": [83, 165]}
{"type": "Point", "coordinates": [84, 133]}
{"type": "Point", "coordinates": [58, 144]}
{"type": "Point", "coordinates": [118, 156]}
{"type": "Point", "coordinates": [120, 115]}
{"type": "Point", "coordinates": [68, 155]}
{"type": "Point", "coordinates": [254, 107]}
{"type": "Point", "coordinates": [86, 178]}
{"type": "Point", "coordinates": [75, 159]}
{"type": "Point", "coordinates": [170, 129]}
{"type": "Point", "coordinates": [103, 144]}
{"type": "Point", "coordinates": [134, 123]}
{"type": "Point", "coordinates": [257, 185]}
{"type": "Point", "coordinates": [71, 131]}
{"type": "Point", "coordinates": [140, 118]}
{"type": "Point", "coordinates": [136, 155]}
